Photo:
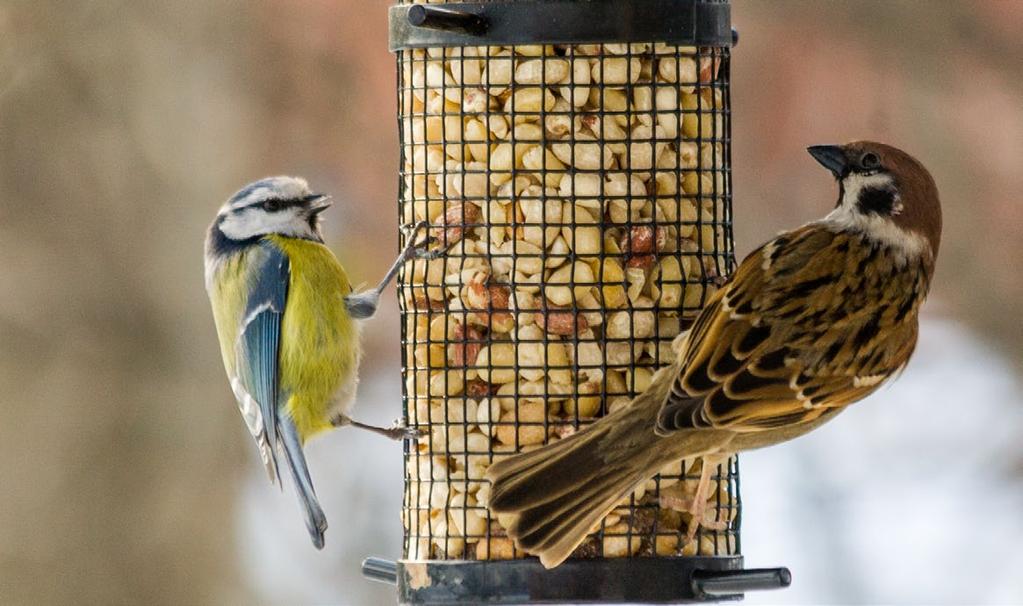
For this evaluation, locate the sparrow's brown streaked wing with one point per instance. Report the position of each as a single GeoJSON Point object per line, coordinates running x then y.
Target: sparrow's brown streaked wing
{"type": "Point", "coordinates": [772, 347]}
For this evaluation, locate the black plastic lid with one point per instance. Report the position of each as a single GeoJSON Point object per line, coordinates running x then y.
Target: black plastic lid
{"type": "Point", "coordinates": [504, 22]}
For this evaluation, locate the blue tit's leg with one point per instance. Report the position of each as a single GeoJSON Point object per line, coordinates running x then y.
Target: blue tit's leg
{"type": "Point", "coordinates": [398, 431]}
{"type": "Point", "coordinates": [291, 446]}
{"type": "Point", "coordinates": [364, 304]}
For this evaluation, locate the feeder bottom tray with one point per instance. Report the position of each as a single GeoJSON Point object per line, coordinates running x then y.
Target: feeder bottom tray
{"type": "Point", "coordinates": [580, 581]}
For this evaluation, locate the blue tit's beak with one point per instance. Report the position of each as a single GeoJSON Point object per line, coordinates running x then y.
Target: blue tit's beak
{"type": "Point", "coordinates": [831, 157]}
{"type": "Point", "coordinates": [319, 203]}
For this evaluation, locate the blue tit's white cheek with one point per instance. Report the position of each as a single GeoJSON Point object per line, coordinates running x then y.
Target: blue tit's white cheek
{"type": "Point", "coordinates": [254, 221]}
{"type": "Point", "coordinates": [243, 224]}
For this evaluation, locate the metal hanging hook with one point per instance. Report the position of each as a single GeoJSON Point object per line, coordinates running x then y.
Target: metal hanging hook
{"type": "Point", "coordinates": [436, 17]}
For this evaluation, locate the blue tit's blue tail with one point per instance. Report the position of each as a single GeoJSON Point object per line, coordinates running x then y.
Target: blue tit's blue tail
{"type": "Point", "coordinates": [291, 448]}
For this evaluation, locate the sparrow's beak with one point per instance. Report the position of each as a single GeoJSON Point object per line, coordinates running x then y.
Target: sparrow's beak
{"type": "Point", "coordinates": [832, 157]}
{"type": "Point", "coordinates": [319, 203]}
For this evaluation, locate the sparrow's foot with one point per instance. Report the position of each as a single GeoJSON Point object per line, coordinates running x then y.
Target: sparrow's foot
{"type": "Point", "coordinates": [683, 498]}
{"type": "Point", "coordinates": [674, 497]}
{"type": "Point", "coordinates": [563, 431]}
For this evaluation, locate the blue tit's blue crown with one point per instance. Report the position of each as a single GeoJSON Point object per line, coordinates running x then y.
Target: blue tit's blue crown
{"type": "Point", "coordinates": [293, 190]}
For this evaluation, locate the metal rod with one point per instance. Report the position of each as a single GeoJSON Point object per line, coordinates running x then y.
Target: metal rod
{"type": "Point", "coordinates": [717, 583]}
{"type": "Point", "coordinates": [380, 570]}
{"type": "Point", "coordinates": [435, 17]}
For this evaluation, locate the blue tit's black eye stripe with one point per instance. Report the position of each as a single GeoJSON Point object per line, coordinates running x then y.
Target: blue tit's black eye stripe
{"type": "Point", "coordinates": [876, 200]}
{"type": "Point", "coordinates": [276, 204]}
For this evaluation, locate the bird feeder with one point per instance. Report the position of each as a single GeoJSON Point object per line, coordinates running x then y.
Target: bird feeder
{"type": "Point", "coordinates": [574, 159]}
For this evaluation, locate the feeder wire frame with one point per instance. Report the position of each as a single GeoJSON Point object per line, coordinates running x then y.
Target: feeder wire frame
{"type": "Point", "coordinates": [715, 259]}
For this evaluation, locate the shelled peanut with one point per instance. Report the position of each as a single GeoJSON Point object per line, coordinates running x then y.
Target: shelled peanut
{"type": "Point", "coordinates": [578, 192]}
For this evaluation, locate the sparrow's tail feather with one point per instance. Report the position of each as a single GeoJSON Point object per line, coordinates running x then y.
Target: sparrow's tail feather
{"type": "Point", "coordinates": [549, 499]}
{"type": "Point", "coordinates": [291, 447]}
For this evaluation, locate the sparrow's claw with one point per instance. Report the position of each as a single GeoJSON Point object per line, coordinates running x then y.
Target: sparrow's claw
{"type": "Point", "coordinates": [712, 524]}
{"type": "Point", "coordinates": [675, 498]}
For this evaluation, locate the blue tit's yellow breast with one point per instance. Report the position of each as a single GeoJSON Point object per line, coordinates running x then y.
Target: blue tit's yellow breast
{"type": "Point", "coordinates": [319, 351]}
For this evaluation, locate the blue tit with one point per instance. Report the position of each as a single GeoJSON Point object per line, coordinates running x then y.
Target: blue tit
{"type": "Point", "coordinates": [287, 319]}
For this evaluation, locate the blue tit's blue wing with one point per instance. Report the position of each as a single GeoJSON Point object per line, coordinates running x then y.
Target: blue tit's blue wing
{"type": "Point", "coordinates": [257, 350]}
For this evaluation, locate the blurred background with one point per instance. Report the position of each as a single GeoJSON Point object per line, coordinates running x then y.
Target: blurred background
{"type": "Point", "coordinates": [126, 475]}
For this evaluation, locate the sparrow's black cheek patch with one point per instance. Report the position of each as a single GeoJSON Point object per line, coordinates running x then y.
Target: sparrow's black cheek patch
{"type": "Point", "coordinates": [876, 200]}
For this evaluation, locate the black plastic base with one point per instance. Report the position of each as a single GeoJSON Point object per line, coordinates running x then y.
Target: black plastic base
{"type": "Point", "coordinates": [582, 581]}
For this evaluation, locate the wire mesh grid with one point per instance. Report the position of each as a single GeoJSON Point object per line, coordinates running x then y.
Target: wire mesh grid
{"type": "Point", "coordinates": [584, 195]}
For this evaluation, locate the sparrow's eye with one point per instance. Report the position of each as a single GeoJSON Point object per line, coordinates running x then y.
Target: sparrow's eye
{"type": "Point", "coordinates": [273, 205]}
{"type": "Point", "coordinates": [870, 161]}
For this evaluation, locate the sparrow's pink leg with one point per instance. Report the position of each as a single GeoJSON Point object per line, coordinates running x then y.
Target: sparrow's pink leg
{"type": "Point", "coordinates": [675, 498]}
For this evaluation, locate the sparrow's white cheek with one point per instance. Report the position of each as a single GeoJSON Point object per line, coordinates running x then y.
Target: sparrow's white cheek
{"type": "Point", "coordinates": [877, 228]}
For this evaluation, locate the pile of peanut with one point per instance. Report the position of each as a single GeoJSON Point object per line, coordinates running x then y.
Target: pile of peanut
{"type": "Point", "coordinates": [579, 193]}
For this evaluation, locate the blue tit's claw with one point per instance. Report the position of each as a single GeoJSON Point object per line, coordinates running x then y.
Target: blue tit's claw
{"type": "Point", "coordinates": [419, 250]}
{"type": "Point", "coordinates": [397, 431]}
{"type": "Point", "coordinates": [429, 255]}
{"type": "Point", "coordinates": [400, 431]}
{"type": "Point", "coordinates": [410, 230]}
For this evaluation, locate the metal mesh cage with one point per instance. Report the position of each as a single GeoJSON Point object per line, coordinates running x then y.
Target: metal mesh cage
{"type": "Point", "coordinates": [584, 194]}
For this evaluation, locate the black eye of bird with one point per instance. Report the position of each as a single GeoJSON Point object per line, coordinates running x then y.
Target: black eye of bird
{"type": "Point", "coordinates": [870, 161]}
{"type": "Point", "coordinates": [273, 205]}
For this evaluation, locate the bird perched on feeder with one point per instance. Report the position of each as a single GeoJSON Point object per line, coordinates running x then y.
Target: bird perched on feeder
{"type": "Point", "coordinates": [286, 316]}
{"type": "Point", "coordinates": [812, 321]}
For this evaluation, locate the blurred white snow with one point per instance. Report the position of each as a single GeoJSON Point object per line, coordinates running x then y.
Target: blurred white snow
{"type": "Point", "coordinates": [912, 496]}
